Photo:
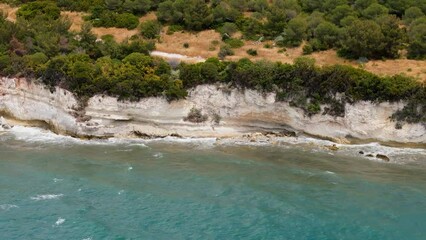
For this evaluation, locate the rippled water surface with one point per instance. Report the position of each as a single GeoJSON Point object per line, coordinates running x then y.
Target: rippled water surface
{"type": "Point", "coordinates": [55, 187]}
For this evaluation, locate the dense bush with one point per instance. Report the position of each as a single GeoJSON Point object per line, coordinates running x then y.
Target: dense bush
{"type": "Point", "coordinates": [234, 43]}
{"type": "Point", "coordinates": [224, 51]}
{"type": "Point", "coordinates": [31, 10]}
{"type": "Point", "coordinates": [252, 52]}
{"type": "Point", "coordinates": [104, 18]}
{"type": "Point", "coordinates": [150, 29]}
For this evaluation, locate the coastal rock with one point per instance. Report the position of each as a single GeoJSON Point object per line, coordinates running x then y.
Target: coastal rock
{"type": "Point", "coordinates": [4, 125]}
{"type": "Point", "coordinates": [241, 112]}
{"type": "Point", "coordinates": [332, 147]}
{"type": "Point", "coordinates": [383, 157]}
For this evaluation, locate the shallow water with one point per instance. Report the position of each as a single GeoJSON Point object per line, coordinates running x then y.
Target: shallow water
{"type": "Point", "coordinates": [54, 187]}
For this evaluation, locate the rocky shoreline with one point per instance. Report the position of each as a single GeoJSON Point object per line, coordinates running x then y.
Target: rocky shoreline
{"type": "Point", "coordinates": [228, 114]}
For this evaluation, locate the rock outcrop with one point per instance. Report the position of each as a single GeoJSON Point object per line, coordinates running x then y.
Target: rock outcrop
{"type": "Point", "coordinates": [240, 112]}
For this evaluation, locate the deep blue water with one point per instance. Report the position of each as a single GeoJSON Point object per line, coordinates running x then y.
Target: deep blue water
{"type": "Point", "coordinates": [61, 189]}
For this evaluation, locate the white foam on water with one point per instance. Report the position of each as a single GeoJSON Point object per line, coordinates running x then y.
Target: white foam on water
{"type": "Point", "coordinates": [59, 221]}
{"type": "Point", "coordinates": [130, 168]}
{"type": "Point", "coordinates": [330, 172]}
{"type": "Point", "coordinates": [120, 192]}
{"type": "Point", "coordinates": [33, 134]}
{"type": "Point", "coordinates": [57, 180]}
{"type": "Point", "coordinates": [158, 155]}
{"type": "Point", "coordinates": [7, 207]}
{"type": "Point", "coordinates": [47, 197]}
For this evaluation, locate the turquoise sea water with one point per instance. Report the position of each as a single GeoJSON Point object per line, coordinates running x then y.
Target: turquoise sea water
{"type": "Point", "coordinates": [54, 187]}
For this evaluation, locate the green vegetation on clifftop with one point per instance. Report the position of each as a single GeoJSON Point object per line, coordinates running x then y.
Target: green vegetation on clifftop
{"type": "Point", "coordinates": [39, 46]}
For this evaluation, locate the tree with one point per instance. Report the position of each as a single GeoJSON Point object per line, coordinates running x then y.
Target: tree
{"type": "Point", "coordinates": [295, 31]}
{"type": "Point", "coordinates": [165, 12]}
{"type": "Point", "coordinates": [197, 15]}
{"type": "Point", "coordinates": [310, 5]}
{"type": "Point", "coordinates": [48, 10]}
{"type": "Point", "coordinates": [223, 12]}
{"type": "Point", "coordinates": [327, 34]}
{"type": "Point", "coordinates": [113, 4]}
{"type": "Point", "coordinates": [398, 6]}
{"type": "Point", "coordinates": [137, 6]}
{"type": "Point", "coordinates": [363, 4]}
{"type": "Point", "coordinates": [394, 36]}
{"type": "Point", "coordinates": [411, 14]}
{"type": "Point", "coordinates": [329, 5]}
{"type": "Point", "coordinates": [150, 29]}
{"type": "Point", "coordinates": [277, 21]}
{"type": "Point", "coordinates": [374, 10]}
{"type": "Point", "coordinates": [341, 12]}
{"type": "Point", "coordinates": [417, 36]}
{"type": "Point", "coordinates": [363, 38]}
{"type": "Point", "coordinates": [258, 5]}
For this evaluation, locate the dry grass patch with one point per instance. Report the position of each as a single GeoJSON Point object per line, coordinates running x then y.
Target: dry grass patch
{"type": "Point", "coordinates": [76, 19]}
{"type": "Point", "coordinates": [199, 43]}
{"type": "Point", "coordinates": [392, 67]}
{"type": "Point", "coordinates": [148, 17]}
{"type": "Point", "coordinates": [119, 34]}
{"type": "Point", "coordinates": [9, 11]}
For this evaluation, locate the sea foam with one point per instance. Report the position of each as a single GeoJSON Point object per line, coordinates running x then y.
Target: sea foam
{"type": "Point", "coordinates": [47, 197]}
{"type": "Point", "coordinates": [7, 207]}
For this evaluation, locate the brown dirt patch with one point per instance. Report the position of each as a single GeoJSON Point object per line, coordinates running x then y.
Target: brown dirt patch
{"type": "Point", "coordinates": [119, 34]}
{"type": "Point", "coordinates": [76, 19]}
{"type": "Point", "coordinates": [199, 43]}
{"type": "Point", "coordinates": [9, 11]}
{"type": "Point", "coordinates": [148, 17]}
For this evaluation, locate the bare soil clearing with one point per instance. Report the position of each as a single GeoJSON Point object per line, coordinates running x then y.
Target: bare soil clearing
{"type": "Point", "coordinates": [9, 11]}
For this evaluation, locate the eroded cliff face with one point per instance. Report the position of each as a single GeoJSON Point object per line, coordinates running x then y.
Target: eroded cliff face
{"type": "Point", "coordinates": [241, 112]}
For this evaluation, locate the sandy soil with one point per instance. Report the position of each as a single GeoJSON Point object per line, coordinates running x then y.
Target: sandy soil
{"type": "Point", "coordinates": [9, 11]}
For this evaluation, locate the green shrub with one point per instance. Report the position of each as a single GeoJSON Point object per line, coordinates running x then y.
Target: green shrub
{"type": "Point", "coordinates": [307, 49]}
{"type": "Point", "coordinates": [45, 9]}
{"type": "Point", "coordinates": [150, 29]}
{"type": "Point", "coordinates": [104, 18]}
{"type": "Point", "coordinates": [234, 43]}
{"type": "Point", "coordinates": [195, 115]}
{"type": "Point", "coordinates": [252, 52]}
{"type": "Point", "coordinates": [174, 28]}
{"type": "Point", "coordinates": [224, 51]}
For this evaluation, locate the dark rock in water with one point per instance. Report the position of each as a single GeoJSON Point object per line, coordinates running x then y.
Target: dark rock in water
{"type": "Point", "coordinates": [141, 135]}
{"type": "Point", "coordinates": [288, 133]}
{"type": "Point", "coordinates": [383, 157]}
{"type": "Point", "coordinates": [282, 133]}
{"type": "Point", "coordinates": [361, 152]}
{"type": "Point", "coordinates": [369, 155]}
{"type": "Point", "coordinates": [175, 135]}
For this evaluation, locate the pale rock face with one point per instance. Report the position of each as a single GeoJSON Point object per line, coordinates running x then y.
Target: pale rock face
{"type": "Point", "coordinates": [241, 112]}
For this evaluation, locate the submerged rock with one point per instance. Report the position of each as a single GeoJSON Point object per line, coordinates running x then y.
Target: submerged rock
{"type": "Point", "coordinates": [383, 157]}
